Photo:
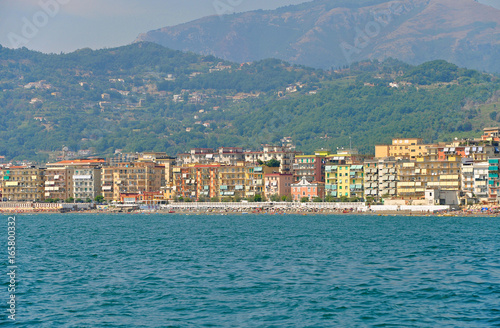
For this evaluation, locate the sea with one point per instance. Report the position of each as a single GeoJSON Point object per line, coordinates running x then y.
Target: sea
{"type": "Point", "coordinates": [171, 270]}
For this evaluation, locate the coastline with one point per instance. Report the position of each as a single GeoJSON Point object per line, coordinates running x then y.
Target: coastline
{"type": "Point", "coordinates": [261, 211]}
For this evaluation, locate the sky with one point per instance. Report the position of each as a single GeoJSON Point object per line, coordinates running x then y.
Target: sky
{"type": "Point", "coordinates": [55, 26]}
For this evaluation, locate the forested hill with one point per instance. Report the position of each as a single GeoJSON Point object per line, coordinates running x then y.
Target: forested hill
{"type": "Point", "coordinates": [145, 97]}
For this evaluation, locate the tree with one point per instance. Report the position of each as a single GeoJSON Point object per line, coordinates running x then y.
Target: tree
{"type": "Point", "coordinates": [70, 200]}
{"type": "Point", "coordinates": [273, 163]}
{"type": "Point", "coordinates": [304, 200]}
{"type": "Point", "coordinates": [99, 199]}
{"type": "Point", "coordinates": [275, 198]}
{"type": "Point", "coordinates": [330, 199]}
{"type": "Point", "coordinates": [78, 200]}
{"type": "Point", "coordinates": [257, 198]}
{"type": "Point", "coordinates": [317, 200]}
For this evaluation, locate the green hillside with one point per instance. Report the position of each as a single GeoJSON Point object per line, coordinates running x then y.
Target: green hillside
{"type": "Point", "coordinates": [146, 97]}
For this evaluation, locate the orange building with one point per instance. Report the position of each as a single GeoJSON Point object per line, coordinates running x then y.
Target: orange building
{"type": "Point", "coordinates": [311, 190]}
{"type": "Point", "coordinates": [207, 181]}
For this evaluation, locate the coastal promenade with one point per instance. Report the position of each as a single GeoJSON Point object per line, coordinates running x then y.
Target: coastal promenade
{"type": "Point", "coordinates": [304, 207]}
{"type": "Point", "coordinates": [243, 207]}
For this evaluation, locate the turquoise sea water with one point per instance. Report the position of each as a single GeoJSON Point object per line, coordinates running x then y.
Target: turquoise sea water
{"type": "Point", "coordinates": [256, 271]}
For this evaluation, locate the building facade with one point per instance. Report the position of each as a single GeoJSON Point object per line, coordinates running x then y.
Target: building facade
{"type": "Point", "coordinates": [310, 190]}
{"type": "Point", "coordinates": [23, 183]}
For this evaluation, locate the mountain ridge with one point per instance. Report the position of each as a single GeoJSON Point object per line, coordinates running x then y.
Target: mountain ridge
{"type": "Point", "coordinates": [330, 33]}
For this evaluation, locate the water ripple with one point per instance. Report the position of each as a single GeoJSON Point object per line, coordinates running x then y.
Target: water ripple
{"type": "Point", "coordinates": [257, 271]}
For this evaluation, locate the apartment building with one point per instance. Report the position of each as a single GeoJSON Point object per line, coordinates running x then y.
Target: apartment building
{"type": "Point", "coordinates": [402, 148]}
{"type": "Point", "coordinates": [380, 178]}
{"type": "Point", "coordinates": [284, 155]}
{"type": "Point", "coordinates": [279, 184]}
{"type": "Point", "coordinates": [196, 156]}
{"type": "Point", "coordinates": [184, 178]}
{"type": "Point", "coordinates": [344, 180]}
{"type": "Point", "coordinates": [23, 183]}
{"type": "Point", "coordinates": [229, 155]}
{"type": "Point", "coordinates": [135, 177]}
{"type": "Point", "coordinates": [493, 181]}
{"type": "Point", "coordinates": [78, 179]}
{"type": "Point", "coordinates": [58, 182]}
{"type": "Point", "coordinates": [491, 134]}
{"type": "Point", "coordinates": [207, 181]}
{"type": "Point", "coordinates": [474, 179]}
{"type": "Point", "coordinates": [428, 173]}
{"type": "Point", "coordinates": [232, 180]}
{"type": "Point", "coordinates": [344, 174]}
{"type": "Point", "coordinates": [87, 182]}
{"type": "Point", "coordinates": [311, 167]}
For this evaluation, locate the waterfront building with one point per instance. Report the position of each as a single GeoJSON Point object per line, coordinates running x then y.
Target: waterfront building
{"type": "Point", "coordinates": [474, 179]}
{"type": "Point", "coordinates": [58, 182]}
{"type": "Point", "coordinates": [493, 180]}
{"type": "Point", "coordinates": [78, 179]}
{"type": "Point", "coordinates": [135, 177]}
{"type": "Point", "coordinates": [207, 181]}
{"type": "Point", "coordinates": [23, 183]}
{"type": "Point", "coordinates": [344, 175]}
{"type": "Point", "coordinates": [279, 184]}
{"type": "Point", "coordinates": [184, 180]}
{"type": "Point", "coordinates": [427, 172]}
{"type": "Point", "coordinates": [311, 190]}
{"type": "Point", "coordinates": [380, 180]}
{"type": "Point", "coordinates": [232, 181]}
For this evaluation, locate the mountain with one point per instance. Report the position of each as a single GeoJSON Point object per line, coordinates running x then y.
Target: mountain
{"type": "Point", "coordinates": [144, 97]}
{"type": "Point", "coordinates": [335, 33]}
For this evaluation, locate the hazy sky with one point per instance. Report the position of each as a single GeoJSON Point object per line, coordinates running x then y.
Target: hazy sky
{"type": "Point", "coordinates": [67, 25]}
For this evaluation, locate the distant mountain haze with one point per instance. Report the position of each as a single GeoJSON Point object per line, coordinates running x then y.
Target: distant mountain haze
{"type": "Point", "coordinates": [336, 33]}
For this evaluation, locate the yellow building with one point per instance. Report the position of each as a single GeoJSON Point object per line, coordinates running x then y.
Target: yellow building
{"type": "Point", "coordinates": [23, 183]}
{"type": "Point", "coordinates": [344, 180]}
{"type": "Point", "coordinates": [255, 179]}
{"type": "Point", "coordinates": [402, 148]}
{"type": "Point", "coordinates": [130, 178]}
{"type": "Point", "coordinates": [232, 180]}
{"type": "Point", "coordinates": [427, 172]}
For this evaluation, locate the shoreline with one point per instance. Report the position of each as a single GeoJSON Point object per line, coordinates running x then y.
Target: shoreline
{"type": "Point", "coordinates": [253, 211]}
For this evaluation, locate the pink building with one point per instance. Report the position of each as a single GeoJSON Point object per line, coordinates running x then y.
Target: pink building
{"type": "Point", "coordinates": [311, 190]}
{"type": "Point", "coordinates": [278, 184]}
